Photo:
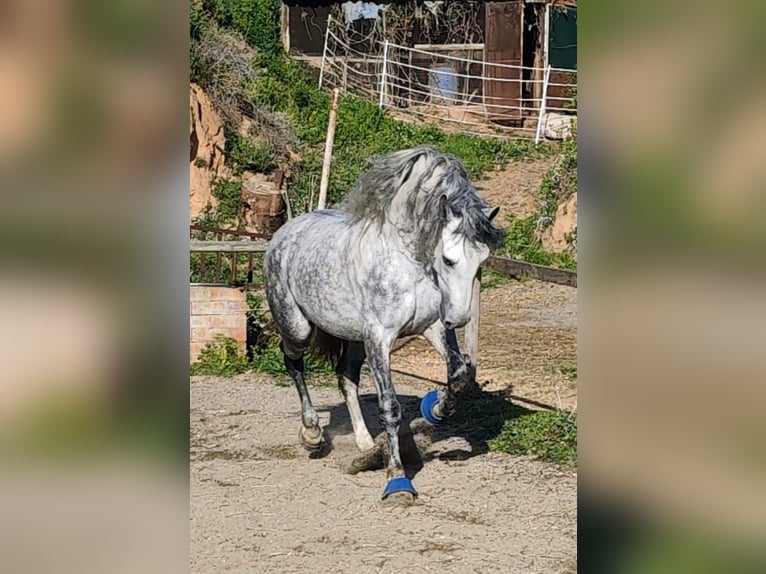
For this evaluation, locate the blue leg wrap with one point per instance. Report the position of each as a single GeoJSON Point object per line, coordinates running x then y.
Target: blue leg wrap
{"type": "Point", "coordinates": [402, 484]}
{"type": "Point", "coordinates": [427, 405]}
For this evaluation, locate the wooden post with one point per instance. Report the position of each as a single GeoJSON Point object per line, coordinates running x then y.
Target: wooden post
{"type": "Point", "coordinates": [328, 150]}
{"type": "Point", "coordinates": [471, 343]}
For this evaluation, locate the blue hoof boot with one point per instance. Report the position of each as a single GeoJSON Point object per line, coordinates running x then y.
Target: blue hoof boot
{"type": "Point", "coordinates": [427, 407]}
{"type": "Point", "coordinates": [402, 484]}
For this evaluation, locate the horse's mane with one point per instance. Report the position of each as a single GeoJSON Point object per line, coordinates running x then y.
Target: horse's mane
{"type": "Point", "coordinates": [394, 191]}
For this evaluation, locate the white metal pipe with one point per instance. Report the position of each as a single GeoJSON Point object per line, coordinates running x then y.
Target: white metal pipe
{"type": "Point", "coordinates": [324, 51]}
{"type": "Point", "coordinates": [546, 35]}
{"type": "Point", "coordinates": [381, 101]}
{"type": "Point", "coordinates": [542, 105]}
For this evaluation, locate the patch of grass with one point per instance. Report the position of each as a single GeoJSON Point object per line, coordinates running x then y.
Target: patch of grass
{"type": "Point", "coordinates": [256, 20]}
{"type": "Point", "coordinates": [268, 360]}
{"type": "Point", "coordinates": [269, 84]}
{"type": "Point", "coordinates": [221, 357]}
{"type": "Point", "coordinates": [224, 358]}
{"type": "Point", "coordinates": [569, 371]}
{"type": "Point", "coordinates": [559, 183]}
{"type": "Point", "coordinates": [550, 436]}
{"type": "Point", "coordinates": [522, 241]}
{"type": "Point", "coordinates": [491, 278]}
{"type": "Point", "coordinates": [364, 131]}
{"type": "Point", "coordinates": [246, 154]}
{"type": "Point", "coordinates": [481, 416]}
{"type": "Point", "coordinates": [230, 206]}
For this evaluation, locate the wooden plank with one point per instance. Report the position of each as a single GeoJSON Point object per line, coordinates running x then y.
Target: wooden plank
{"type": "Point", "coordinates": [503, 45]}
{"type": "Point", "coordinates": [252, 246]}
{"type": "Point", "coordinates": [448, 47]}
{"type": "Point", "coordinates": [324, 182]}
{"type": "Point", "coordinates": [516, 268]}
{"type": "Point", "coordinates": [471, 333]}
{"type": "Point", "coordinates": [558, 95]}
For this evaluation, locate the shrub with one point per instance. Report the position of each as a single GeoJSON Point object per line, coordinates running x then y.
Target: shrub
{"type": "Point", "coordinates": [221, 357]}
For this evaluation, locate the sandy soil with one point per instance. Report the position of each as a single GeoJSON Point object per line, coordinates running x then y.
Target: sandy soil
{"type": "Point", "coordinates": [259, 503]}
{"type": "Point", "coordinates": [527, 342]}
{"type": "Point", "coordinates": [514, 189]}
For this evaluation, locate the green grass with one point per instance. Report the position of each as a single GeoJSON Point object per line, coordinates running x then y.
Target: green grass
{"type": "Point", "coordinates": [245, 154]}
{"type": "Point", "coordinates": [491, 278]}
{"type": "Point", "coordinates": [223, 357]}
{"type": "Point", "coordinates": [522, 242]}
{"type": "Point", "coordinates": [569, 371]}
{"type": "Point", "coordinates": [288, 89]}
{"type": "Point", "coordinates": [268, 360]}
{"type": "Point", "coordinates": [550, 436]}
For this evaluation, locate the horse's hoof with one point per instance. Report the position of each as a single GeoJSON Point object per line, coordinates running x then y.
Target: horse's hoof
{"type": "Point", "coordinates": [311, 439]}
{"type": "Point", "coordinates": [427, 404]}
{"type": "Point", "coordinates": [399, 485]}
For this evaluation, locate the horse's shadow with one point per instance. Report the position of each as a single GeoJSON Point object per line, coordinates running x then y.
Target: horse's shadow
{"type": "Point", "coordinates": [479, 418]}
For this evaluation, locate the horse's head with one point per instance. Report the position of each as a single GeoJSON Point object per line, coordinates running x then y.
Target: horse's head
{"type": "Point", "coordinates": [456, 262]}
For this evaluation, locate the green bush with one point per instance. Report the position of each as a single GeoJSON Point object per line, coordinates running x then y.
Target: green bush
{"type": "Point", "coordinates": [256, 20]}
{"type": "Point", "coordinates": [222, 358]}
{"type": "Point", "coordinates": [229, 196]}
{"type": "Point", "coordinates": [551, 436]}
{"type": "Point", "coordinates": [246, 154]}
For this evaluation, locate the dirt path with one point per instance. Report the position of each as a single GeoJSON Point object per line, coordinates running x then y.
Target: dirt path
{"type": "Point", "coordinates": [260, 504]}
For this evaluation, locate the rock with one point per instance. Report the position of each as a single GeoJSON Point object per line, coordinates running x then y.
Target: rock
{"type": "Point", "coordinates": [555, 237]}
{"type": "Point", "coordinates": [557, 126]}
{"type": "Point", "coordinates": [206, 160]}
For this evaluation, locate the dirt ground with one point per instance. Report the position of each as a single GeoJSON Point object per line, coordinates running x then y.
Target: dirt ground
{"type": "Point", "coordinates": [259, 503]}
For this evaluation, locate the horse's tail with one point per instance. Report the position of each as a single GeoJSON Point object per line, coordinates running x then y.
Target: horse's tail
{"type": "Point", "coordinates": [325, 345]}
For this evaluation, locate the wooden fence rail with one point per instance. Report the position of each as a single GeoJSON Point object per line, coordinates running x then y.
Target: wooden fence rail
{"type": "Point", "coordinates": [241, 246]}
{"type": "Point", "coordinates": [512, 267]}
{"type": "Point", "coordinates": [516, 268]}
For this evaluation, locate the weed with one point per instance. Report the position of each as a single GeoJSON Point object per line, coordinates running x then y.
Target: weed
{"type": "Point", "coordinates": [221, 357]}
{"type": "Point", "coordinates": [569, 371]}
{"type": "Point", "coordinates": [550, 436]}
{"type": "Point", "coordinates": [246, 154]}
{"type": "Point", "coordinates": [268, 359]}
{"type": "Point", "coordinates": [229, 195]}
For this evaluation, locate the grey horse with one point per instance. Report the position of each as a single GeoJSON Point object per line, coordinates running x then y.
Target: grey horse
{"type": "Point", "coordinates": [397, 257]}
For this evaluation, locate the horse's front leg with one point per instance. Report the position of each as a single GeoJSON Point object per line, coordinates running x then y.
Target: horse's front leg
{"type": "Point", "coordinates": [460, 374]}
{"type": "Point", "coordinates": [378, 351]}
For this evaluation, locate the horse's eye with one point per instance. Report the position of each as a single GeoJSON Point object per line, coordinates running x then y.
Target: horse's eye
{"type": "Point", "coordinates": [448, 262]}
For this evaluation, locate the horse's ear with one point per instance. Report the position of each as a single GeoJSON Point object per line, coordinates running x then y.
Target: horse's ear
{"type": "Point", "coordinates": [491, 212]}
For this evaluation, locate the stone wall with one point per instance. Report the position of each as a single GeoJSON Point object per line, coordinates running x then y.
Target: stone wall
{"type": "Point", "coordinates": [214, 310]}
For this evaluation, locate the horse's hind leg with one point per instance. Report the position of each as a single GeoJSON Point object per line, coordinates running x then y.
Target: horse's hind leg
{"type": "Point", "coordinates": [296, 336]}
{"type": "Point", "coordinates": [311, 433]}
{"type": "Point", "coordinates": [348, 369]}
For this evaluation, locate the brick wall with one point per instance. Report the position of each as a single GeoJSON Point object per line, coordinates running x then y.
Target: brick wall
{"type": "Point", "coordinates": [215, 310]}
